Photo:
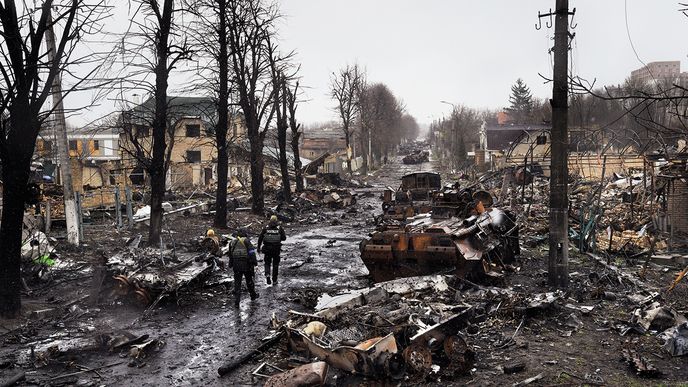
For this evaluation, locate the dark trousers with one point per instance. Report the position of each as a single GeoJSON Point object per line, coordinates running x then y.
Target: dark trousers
{"type": "Point", "coordinates": [250, 285]}
{"type": "Point", "coordinates": [274, 260]}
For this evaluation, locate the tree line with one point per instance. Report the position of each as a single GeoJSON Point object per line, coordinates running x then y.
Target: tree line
{"type": "Point", "coordinates": [370, 114]}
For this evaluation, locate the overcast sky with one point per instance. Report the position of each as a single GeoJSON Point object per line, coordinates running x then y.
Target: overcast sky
{"type": "Point", "coordinates": [467, 52]}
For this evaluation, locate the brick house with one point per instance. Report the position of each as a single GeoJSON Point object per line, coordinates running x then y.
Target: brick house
{"type": "Point", "coordinates": [193, 160]}
{"type": "Point", "coordinates": [94, 154]}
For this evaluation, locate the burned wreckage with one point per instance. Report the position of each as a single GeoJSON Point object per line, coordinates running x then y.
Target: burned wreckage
{"type": "Point", "coordinates": [384, 332]}
{"type": "Point", "coordinates": [458, 229]}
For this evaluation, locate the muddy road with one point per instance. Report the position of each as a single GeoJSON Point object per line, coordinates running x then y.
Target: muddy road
{"type": "Point", "coordinates": [201, 329]}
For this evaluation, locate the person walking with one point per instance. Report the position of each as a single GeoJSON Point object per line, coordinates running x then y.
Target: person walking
{"type": "Point", "coordinates": [242, 258]}
{"type": "Point", "coordinates": [270, 239]}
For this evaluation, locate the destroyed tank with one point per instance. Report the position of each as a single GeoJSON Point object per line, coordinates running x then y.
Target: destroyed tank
{"type": "Point", "coordinates": [413, 196]}
{"type": "Point", "coordinates": [422, 193]}
{"type": "Point", "coordinates": [479, 245]}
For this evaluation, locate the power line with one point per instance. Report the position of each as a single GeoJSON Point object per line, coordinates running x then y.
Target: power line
{"type": "Point", "coordinates": [630, 40]}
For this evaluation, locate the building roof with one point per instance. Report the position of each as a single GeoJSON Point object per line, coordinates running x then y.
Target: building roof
{"type": "Point", "coordinates": [500, 137]}
{"type": "Point", "coordinates": [178, 108]}
{"type": "Point", "coordinates": [271, 153]}
{"type": "Point", "coordinates": [324, 133]}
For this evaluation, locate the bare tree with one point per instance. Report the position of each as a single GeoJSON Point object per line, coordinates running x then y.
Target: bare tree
{"type": "Point", "coordinates": [25, 83]}
{"type": "Point", "coordinates": [278, 66]}
{"type": "Point", "coordinates": [344, 89]}
{"type": "Point", "coordinates": [644, 115]}
{"type": "Point", "coordinates": [409, 127]}
{"type": "Point", "coordinates": [252, 23]}
{"type": "Point", "coordinates": [157, 47]}
{"type": "Point", "coordinates": [213, 36]}
{"type": "Point", "coordinates": [381, 112]}
{"type": "Point", "coordinates": [364, 122]}
{"type": "Point", "coordinates": [292, 105]}
{"type": "Point", "coordinates": [465, 123]}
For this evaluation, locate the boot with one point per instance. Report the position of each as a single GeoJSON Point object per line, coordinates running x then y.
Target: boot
{"type": "Point", "coordinates": [267, 279]}
{"type": "Point", "coordinates": [254, 296]}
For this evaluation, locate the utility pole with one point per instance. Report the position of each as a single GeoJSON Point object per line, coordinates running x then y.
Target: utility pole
{"type": "Point", "coordinates": [62, 143]}
{"type": "Point", "coordinates": [558, 264]}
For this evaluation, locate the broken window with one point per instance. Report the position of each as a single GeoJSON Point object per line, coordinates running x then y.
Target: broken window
{"type": "Point", "coordinates": [193, 130]}
{"type": "Point", "coordinates": [193, 156]}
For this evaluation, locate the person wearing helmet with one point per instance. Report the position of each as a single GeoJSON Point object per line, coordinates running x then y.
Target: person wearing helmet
{"type": "Point", "coordinates": [211, 243]}
{"type": "Point", "coordinates": [270, 239]}
{"type": "Point", "coordinates": [242, 258]}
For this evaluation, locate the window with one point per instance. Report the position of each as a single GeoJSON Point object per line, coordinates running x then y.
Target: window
{"type": "Point", "coordinates": [142, 131]}
{"type": "Point", "coordinates": [542, 140]}
{"type": "Point", "coordinates": [47, 146]}
{"type": "Point", "coordinates": [72, 145]}
{"type": "Point", "coordinates": [193, 156]}
{"type": "Point", "coordinates": [193, 130]}
{"type": "Point", "coordinates": [96, 145]}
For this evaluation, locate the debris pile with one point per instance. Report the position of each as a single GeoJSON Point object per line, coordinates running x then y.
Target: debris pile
{"type": "Point", "coordinates": [401, 330]}
{"type": "Point", "coordinates": [334, 198]}
{"type": "Point", "coordinates": [148, 275]}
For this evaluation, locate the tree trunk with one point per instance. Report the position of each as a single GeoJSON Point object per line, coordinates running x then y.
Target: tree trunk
{"type": "Point", "coordinates": [15, 175]}
{"type": "Point", "coordinates": [221, 195]}
{"type": "Point", "coordinates": [257, 179]}
{"type": "Point", "coordinates": [284, 162]}
{"type": "Point", "coordinates": [157, 169]}
{"type": "Point", "coordinates": [222, 124]}
{"type": "Point", "coordinates": [298, 173]}
{"type": "Point", "coordinates": [347, 137]}
{"type": "Point", "coordinates": [364, 150]}
{"type": "Point", "coordinates": [157, 195]}
{"type": "Point", "coordinates": [282, 126]}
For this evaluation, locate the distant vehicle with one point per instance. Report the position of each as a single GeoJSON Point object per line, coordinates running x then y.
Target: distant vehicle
{"type": "Point", "coordinates": [417, 157]}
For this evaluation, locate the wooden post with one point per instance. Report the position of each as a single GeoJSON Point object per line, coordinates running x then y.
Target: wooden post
{"type": "Point", "coordinates": [525, 173]}
{"type": "Point", "coordinates": [48, 220]}
{"type": "Point", "coordinates": [630, 185]}
{"type": "Point", "coordinates": [558, 265]}
{"type": "Point", "coordinates": [80, 215]}
{"type": "Point", "coordinates": [118, 208]}
{"type": "Point", "coordinates": [130, 213]}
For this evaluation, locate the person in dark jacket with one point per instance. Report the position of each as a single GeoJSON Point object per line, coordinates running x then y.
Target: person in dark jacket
{"type": "Point", "coordinates": [270, 240]}
{"type": "Point", "coordinates": [242, 258]}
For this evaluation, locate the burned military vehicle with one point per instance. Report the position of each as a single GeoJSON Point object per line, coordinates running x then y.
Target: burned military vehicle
{"type": "Point", "coordinates": [412, 197]}
{"type": "Point", "coordinates": [422, 193]}
{"type": "Point", "coordinates": [479, 245]}
{"type": "Point", "coordinates": [417, 157]}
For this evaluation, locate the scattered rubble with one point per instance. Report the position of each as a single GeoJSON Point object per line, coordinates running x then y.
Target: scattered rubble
{"type": "Point", "coordinates": [394, 331]}
{"type": "Point", "coordinates": [150, 274]}
{"type": "Point", "coordinates": [454, 292]}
